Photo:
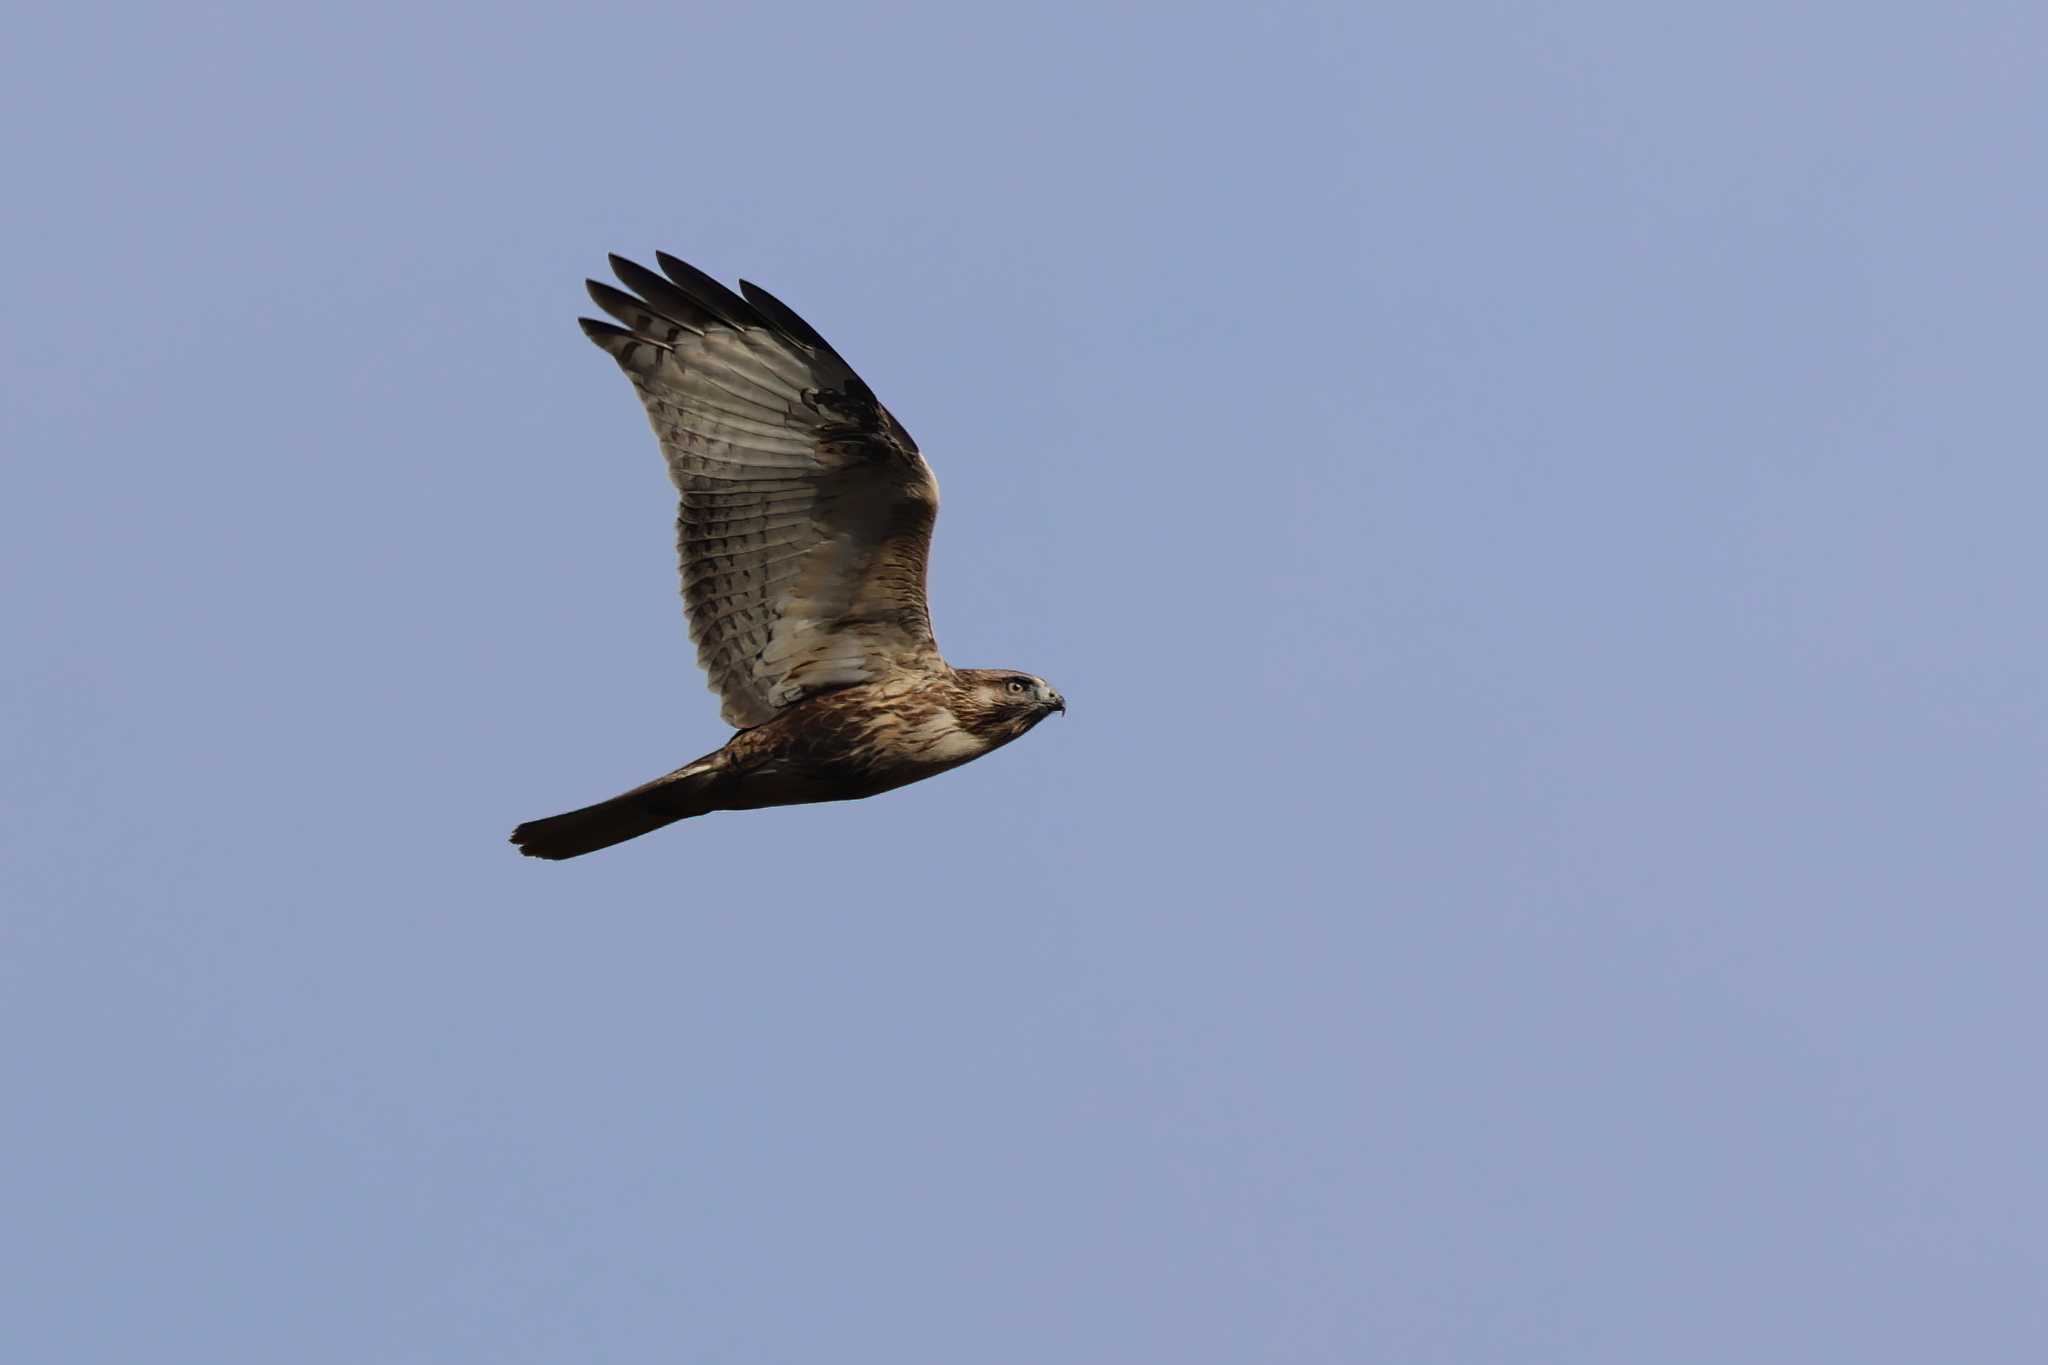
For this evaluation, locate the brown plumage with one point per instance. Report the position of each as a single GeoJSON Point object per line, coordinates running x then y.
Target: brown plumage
{"type": "Point", "coordinates": [805, 526]}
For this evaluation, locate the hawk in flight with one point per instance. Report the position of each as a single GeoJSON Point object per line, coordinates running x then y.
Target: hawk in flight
{"type": "Point", "coordinates": [806, 522]}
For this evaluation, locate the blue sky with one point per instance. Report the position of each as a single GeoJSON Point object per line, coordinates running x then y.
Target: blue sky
{"type": "Point", "coordinates": [1537, 512]}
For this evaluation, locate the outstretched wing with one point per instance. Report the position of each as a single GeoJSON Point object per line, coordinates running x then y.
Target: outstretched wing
{"type": "Point", "coordinates": [806, 509]}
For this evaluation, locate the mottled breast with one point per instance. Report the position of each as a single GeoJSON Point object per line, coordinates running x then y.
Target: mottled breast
{"type": "Point", "coordinates": [933, 735]}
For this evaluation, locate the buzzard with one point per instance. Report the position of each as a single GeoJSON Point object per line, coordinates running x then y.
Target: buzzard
{"type": "Point", "coordinates": [806, 521]}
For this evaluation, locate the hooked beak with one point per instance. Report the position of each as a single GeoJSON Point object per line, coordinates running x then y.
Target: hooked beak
{"type": "Point", "coordinates": [1059, 703]}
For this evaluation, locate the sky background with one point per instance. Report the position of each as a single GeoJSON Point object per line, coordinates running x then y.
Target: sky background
{"type": "Point", "coordinates": [1538, 511]}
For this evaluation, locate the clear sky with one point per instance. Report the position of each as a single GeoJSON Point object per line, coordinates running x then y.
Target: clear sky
{"type": "Point", "coordinates": [1537, 510]}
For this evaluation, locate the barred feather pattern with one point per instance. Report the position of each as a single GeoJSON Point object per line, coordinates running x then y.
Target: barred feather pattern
{"type": "Point", "coordinates": [806, 509]}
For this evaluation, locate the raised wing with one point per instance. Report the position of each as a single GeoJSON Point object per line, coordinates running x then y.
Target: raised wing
{"type": "Point", "coordinates": [806, 509]}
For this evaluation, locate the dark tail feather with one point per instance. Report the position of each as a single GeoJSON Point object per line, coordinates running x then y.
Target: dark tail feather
{"type": "Point", "coordinates": [683, 793]}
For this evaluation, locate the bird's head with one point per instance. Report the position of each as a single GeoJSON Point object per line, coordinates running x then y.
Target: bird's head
{"type": "Point", "coordinates": [1005, 702]}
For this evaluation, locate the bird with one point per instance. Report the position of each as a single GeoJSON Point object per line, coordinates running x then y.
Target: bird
{"type": "Point", "coordinates": [804, 532]}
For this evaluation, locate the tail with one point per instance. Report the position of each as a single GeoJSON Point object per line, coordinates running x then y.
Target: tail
{"type": "Point", "coordinates": [689, 790]}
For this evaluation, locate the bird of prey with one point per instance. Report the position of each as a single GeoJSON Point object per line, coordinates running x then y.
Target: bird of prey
{"type": "Point", "coordinates": [806, 521]}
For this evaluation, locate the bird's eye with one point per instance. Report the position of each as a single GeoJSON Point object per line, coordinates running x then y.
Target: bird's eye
{"type": "Point", "coordinates": [1016, 686]}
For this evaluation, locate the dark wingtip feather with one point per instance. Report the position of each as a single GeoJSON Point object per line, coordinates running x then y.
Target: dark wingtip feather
{"type": "Point", "coordinates": [707, 291]}
{"type": "Point", "coordinates": [783, 316]}
{"type": "Point", "coordinates": [635, 312]}
{"type": "Point", "coordinates": [662, 296]}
